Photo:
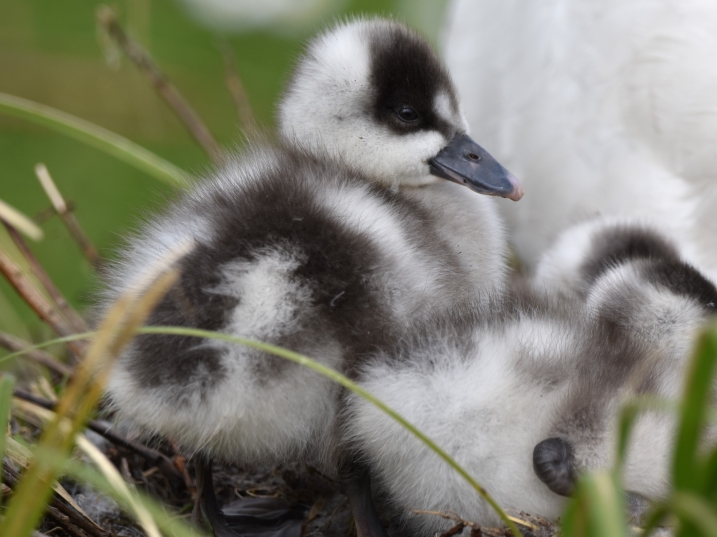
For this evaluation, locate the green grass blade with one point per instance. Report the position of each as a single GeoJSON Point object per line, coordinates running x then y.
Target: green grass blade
{"type": "Point", "coordinates": [96, 136]}
{"type": "Point", "coordinates": [695, 512]}
{"type": "Point", "coordinates": [655, 517]}
{"type": "Point", "coordinates": [597, 508]}
{"type": "Point", "coordinates": [605, 502]}
{"type": "Point", "coordinates": [698, 386]}
{"type": "Point", "coordinates": [572, 525]}
{"type": "Point", "coordinates": [45, 344]}
{"type": "Point", "coordinates": [709, 477]}
{"type": "Point", "coordinates": [628, 417]}
{"type": "Point", "coordinates": [6, 384]}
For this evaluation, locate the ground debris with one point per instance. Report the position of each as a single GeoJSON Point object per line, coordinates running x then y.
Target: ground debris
{"type": "Point", "coordinates": [529, 525]}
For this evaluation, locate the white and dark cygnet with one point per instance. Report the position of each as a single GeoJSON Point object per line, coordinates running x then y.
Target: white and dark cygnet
{"type": "Point", "coordinates": [601, 107]}
{"type": "Point", "coordinates": [523, 390]}
{"type": "Point", "coordinates": [327, 242]}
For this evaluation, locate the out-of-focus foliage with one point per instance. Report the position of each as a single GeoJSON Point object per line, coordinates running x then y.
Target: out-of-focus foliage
{"type": "Point", "coordinates": [52, 53]}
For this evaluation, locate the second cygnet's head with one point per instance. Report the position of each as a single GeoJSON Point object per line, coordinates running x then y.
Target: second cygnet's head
{"type": "Point", "coordinates": [374, 95]}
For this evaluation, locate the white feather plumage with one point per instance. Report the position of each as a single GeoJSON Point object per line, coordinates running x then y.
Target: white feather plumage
{"type": "Point", "coordinates": [602, 107]}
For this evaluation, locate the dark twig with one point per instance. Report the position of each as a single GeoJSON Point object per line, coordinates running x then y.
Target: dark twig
{"type": "Point", "coordinates": [48, 212]}
{"type": "Point", "coordinates": [152, 456]}
{"type": "Point", "coordinates": [76, 322]}
{"type": "Point", "coordinates": [196, 127]}
{"type": "Point", "coordinates": [38, 303]}
{"type": "Point", "coordinates": [65, 214]}
{"type": "Point", "coordinates": [64, 521]}
{"type": "Point", "coordinates": [38, 356]}
{"type": "Point", "coordinates": [79, 520]}
{"type": "Point", "coordinates": [236, 88]}
{"type": "Point", "coordinates": [461, 524]}
{"type": "Point", "coordinates": [458, 528]}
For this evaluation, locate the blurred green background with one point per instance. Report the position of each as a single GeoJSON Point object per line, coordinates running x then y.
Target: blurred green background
{"type": "Point", "coordinates": [51, 52]}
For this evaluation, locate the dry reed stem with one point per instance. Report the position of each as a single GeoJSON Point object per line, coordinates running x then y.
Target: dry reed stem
{"type": "Point", "coordinates": [45, 359]}
{"type": "Point", "coordinates": [40, 305]}
{"type": "Point", "coordinates": [19, 220]}
{"type": "Point", "coordinates": [76, 322]}
{"type": "Point", "coordinates": [150, 455]}
{"type": "Point", "coordinates": [118, 483]}
{"type": "Point", "coordinates": [236, 89]}
{"type": "Point", "coordinates": [65, 213]}
{"type": "Point", "coordinates": [181, 107]}
{"type": "Point", "coordinates": [49, 212]}
{"type": "Point", "coordinates": [85, 390]}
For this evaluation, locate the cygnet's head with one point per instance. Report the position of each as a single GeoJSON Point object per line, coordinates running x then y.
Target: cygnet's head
{"type": "Point", "coordinates": [373, 94]}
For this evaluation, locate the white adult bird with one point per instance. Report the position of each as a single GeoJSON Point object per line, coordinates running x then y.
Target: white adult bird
{"type": "Point", "coordinates": [327, 242]}
{"type": "Point", "coordinates": [602, 107]}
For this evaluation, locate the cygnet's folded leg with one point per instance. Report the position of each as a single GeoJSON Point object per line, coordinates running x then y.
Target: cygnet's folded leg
{"type": "Point", "coordinates": [265, 516]}
{"type": "Point", "coordinates": [208, 500]}
{"type": "Point", "coordinates": [357, 487]}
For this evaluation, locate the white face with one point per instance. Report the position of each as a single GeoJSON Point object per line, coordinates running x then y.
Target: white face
{"type": "Point", "coordinates": [331, 107]}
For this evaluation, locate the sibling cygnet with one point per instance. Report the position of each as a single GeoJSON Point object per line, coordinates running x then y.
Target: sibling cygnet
{"type": "Point", "coordinates": [523, 390]}
{"type": "Point", "coordinates": [327, 242]}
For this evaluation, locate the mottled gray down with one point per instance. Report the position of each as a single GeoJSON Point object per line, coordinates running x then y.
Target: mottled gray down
{"type": "Point", "coordinates": [327, 242]}
{"type": "Point", "coordinates": [490, 379]}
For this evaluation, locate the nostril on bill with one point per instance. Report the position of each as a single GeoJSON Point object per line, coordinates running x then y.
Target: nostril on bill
{"type": "Point", "coordinates": [473, 157]}
{"type": "Point", "coordinates": [553, 464]}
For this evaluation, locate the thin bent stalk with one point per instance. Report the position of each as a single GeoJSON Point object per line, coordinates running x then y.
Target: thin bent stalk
{"type": "Point", "coordinates": [114, 478]}
{"type": "Point", "coordinates": [166, 90]}
{"type": "Point", "coordinates": [331, 374]}
{"type": "Point", "coordinates": [6, 384]}
{"type": "Point", "coordinates": [79, 400]}
{"type": "Point", "coordinates": [96, 136]}
{"type": "Point", "coordinates": [68, 218]}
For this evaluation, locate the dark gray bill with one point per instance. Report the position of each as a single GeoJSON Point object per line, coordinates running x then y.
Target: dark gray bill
{"type": "Point", "coordinates": [465, 162]}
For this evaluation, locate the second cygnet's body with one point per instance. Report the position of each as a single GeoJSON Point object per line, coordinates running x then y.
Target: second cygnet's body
{"type": "Point", "coordinates": [523, 389]}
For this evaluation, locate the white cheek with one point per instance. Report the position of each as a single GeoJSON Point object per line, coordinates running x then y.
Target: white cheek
{"type": "Point", "coordinates": [389, 157]}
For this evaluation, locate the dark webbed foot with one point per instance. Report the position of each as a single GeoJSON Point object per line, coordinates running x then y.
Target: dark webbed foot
{"type": "Point", "coordinates": [554, 465]}
{"type": "Point", "coordinates": [266, 517]}
{"type": "Point", "coordinates": [357, 487]}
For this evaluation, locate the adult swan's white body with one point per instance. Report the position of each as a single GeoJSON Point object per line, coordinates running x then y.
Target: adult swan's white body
{"type": "Point", "coordinates": [601, 107]}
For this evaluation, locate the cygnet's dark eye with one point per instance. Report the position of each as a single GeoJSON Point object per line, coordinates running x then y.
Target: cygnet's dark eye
{"type": "Point", "coordinates": [407, 114]}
